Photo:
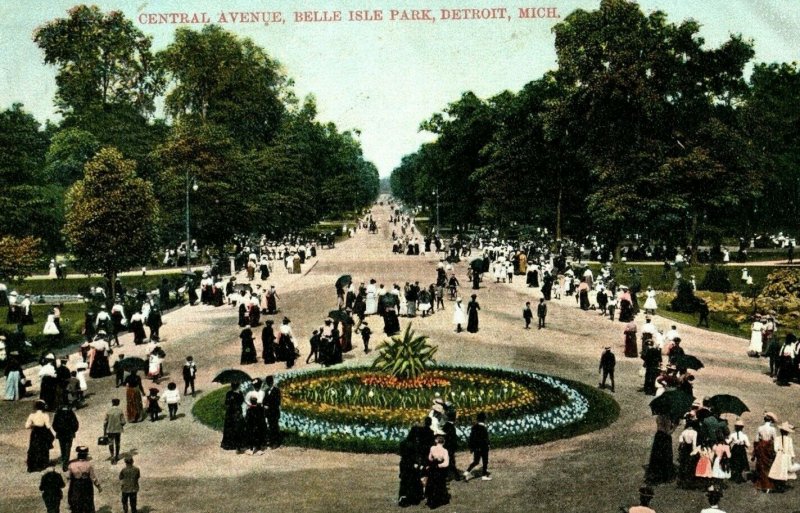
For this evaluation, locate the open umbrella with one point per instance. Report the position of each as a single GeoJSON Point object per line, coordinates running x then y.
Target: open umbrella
{"type": "Point", "coordinates": [672, 402]}
{"type": "Point", "coordinates": [476, 264]}
{"type": "Point", "coordinates": [390, 300]}
{"type": "Point", "coordinates": [724, 403]}
{"type": "Point", "coordinates": [344, 281]}
{"type": "Point", "coordinates": [338, 315]}
{"type": "Point", "coordinates": [132, 363]}
{"type": "Point", "coordinates": [687, 361]}
{"type": "Point", "coordinates": [231, 376]}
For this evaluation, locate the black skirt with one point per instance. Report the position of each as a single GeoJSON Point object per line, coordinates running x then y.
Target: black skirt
{"type": "Point", "coordinates": [80, 496]}
{"type": "Point", "coordinates": [41, 441]}
{"type": "Point", "coordinates": [661, 469]}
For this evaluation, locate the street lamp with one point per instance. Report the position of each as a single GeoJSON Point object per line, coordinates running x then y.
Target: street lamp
{"type": "Point", "coordinates": [436, 193]}
{"type": "Point", "coordinates": [191, 183]}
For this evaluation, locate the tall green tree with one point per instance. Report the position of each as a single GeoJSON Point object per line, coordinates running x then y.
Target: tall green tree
{"type": "Point", "coordinates": [640, 92]}
{"type": "Point", "coordinates": [770, 116]}
{"type": "Point", "coordinates": [112, 216]}
{"type": "Point", "coordinates": [69, 151]}
{"type": "Point", "coordinates": [102, 60]}
{"type": "Point", "coordinates": [219, 78]}
{"type": "Point", "coordinates": [31, 205]}
{"type": "Point", "coordinates": [222, 205]}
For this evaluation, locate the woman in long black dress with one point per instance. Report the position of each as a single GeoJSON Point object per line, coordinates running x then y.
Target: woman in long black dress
{"type": "Point", "coordinates": [248, 347]}
{"type": "Point", "coordinates": [242, 314]}
{"type": "Point", "coordinates": [472, 314]}
{"type": "Point", "coordinates": [255, 426]}
{"type": "Point", "coordinates": [268, 343]}
{"type": "Point", "coordinates": [232, 430]}
{"type": "Point", "coordinates": [41, 440]}
{"type": "Point", "coordinates": [661, 468]}
{"type": "Point", "coordinates": [410, 483]}
{"type": "Point", "coordinates": [436, 493]}
{"type": "Point", "coordinates": [82, 479]}
{"type": "Point", "coordinates": [391, 324]}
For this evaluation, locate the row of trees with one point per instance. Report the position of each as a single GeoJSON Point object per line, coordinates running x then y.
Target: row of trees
{"type": "Point", "coordinates": [642, 128]}
{"type": "Point", "coordinates": [261, 160]}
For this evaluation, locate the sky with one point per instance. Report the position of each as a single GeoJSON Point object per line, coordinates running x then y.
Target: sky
{"type": "Point", "coordinates": [384, 78]}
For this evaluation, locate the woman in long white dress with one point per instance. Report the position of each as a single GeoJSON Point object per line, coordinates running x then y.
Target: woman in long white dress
{"type": "Point", "coordinates": [372, 299]}
{"type": "Point", "coordinates": [756, 331]}
{"type": "Point", "coordinates": [650, 305]}
{"type": "Point", "coordinates": [459, 318]}
{"type": "Point", "coordinates": [50, 327]}
{"type": "Point", "coordinates": [781, 469]}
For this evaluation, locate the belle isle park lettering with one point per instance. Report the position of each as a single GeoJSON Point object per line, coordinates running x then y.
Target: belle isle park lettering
{"type": "Point", "coordinates": [357, 15]}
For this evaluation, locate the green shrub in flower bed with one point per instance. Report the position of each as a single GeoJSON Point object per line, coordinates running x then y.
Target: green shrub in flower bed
{"type": "Point", "coordinates": [357, 409]}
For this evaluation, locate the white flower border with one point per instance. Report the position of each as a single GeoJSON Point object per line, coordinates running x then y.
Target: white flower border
{"type": "Point", "coordinates": [574, 410]}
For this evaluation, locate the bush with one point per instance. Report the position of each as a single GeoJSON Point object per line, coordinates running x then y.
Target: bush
{"type": "Point", "coordinates": [716, 280]}
{"type": "Point", "coordinates": [685, 301]}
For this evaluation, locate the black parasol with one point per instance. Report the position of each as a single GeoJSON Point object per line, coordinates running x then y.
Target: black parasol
{"type": "Point", "coordinates": [674, 403]}
{"type": "Point", "coordinates": [344, 281]}
{"type": "Point", "coordinates": [132, 363]}
{"type": "Point", "coordinates": [724, 403]}
{"type": "Point", "coordinates": [338, 315]}
{"type": "Point", "coordinates": [232, 376]}
{"type": "Point", "coordinates": [687, 361]}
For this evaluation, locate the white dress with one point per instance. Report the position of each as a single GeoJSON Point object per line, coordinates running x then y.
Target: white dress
{"type": "Point", "coordinates": [372, 300]}
{"type": "Point", "coordinates": [781, 469]}
{"type": "Point", "coordinates": [458, 315]}
{"type": "Point", "coordinates": [755, 338]}
{"type": "Point", "coordinates": [50, 327]}
{"type": "Point", "coordinates": [650, 303]}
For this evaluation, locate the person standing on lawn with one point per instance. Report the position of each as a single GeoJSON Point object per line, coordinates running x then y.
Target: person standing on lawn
{"type": "Point", "coordinates": [607, 364]}
{"type": "Point", "coordinates": [527, 315]}
{"type": "Point", "coordinates": [479, 445]}
{"type": "Point", "coordinates": [541, 312]}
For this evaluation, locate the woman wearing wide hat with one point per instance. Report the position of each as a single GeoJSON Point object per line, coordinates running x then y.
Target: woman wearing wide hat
{"type": "Point", "coordinates": [782, 469]}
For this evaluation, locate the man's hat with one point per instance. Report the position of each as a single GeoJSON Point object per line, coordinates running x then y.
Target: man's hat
{"type": "Point", "coordinates": [771, 416]}
{"type": "Point", "coordinates": [608, 348]}
{"type": "Point", "coordinates": [739, 423]}
{"type": "Point", "coordinates": [786, 427]}
{"type": "Point", "coordinates": [82, 450]}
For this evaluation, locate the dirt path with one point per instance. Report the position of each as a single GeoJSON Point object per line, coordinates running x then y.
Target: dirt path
{"type": "Point", "coordinates": [184, 470]}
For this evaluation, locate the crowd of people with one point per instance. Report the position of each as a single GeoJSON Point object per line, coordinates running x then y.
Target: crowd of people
{"type": "Point", "coordinates": [709, 453]}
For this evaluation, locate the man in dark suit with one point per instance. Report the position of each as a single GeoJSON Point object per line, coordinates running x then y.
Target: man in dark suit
{"type": "Point", "coordinates": [607, 364]}
{"type": "Point", "coordinates": [65, 424]}
{"type": "Point", "coordinates": [272, 402]}
{"type": "Point", "coordinates": [479, 445]}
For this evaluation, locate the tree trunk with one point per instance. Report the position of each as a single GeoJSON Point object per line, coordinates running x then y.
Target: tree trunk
{"type": "Point", "coordinates": [113, 278]}
{"type": "Point", "coordinates": [558, 213]}
{"type": "Point", "coordinates": [693, 240]}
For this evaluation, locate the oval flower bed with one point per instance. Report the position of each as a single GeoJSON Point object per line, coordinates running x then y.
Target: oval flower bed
{"type": "Point", "coordinates": [358, 409]}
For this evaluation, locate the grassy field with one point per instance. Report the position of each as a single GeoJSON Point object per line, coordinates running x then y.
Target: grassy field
{"type": "Point", "coordinates": [652, 275]}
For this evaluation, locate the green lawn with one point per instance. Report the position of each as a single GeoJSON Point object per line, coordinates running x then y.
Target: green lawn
{"type": "Point", "coordinates": [652, 275]}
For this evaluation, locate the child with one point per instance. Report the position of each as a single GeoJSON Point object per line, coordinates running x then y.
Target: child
{"type": "Point", "coordinates": [527, 314]}
{"type": "Point", "coordinates": [440, 296]}
{"type": "Point", "coordinates": [611, 306]}
{"type": "Point", "coordinates": [152, 404]}
{"type": "Point", "coordinates": [119, 372]}
{"type": "Point", "coordinates": [541, 312]}
{"type": "Point", "coordinates": [365, 334]}
{"type": "Point", "coordinates": [479, 445]}
{"type": "Point", "coordinates": [189, 373]}
{"type": "Point", "coordinates": [314, 347]}
{"type": "Point", "coordinates": [80, 373]}
{"type": "Point", "coordinates": [172, 398]}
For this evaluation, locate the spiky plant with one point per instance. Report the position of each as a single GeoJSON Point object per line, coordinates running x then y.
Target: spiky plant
{"type": "Point", "coordinates": [406, 355]}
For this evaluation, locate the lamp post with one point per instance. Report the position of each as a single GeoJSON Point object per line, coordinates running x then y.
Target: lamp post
{"type": "Point", "coordinates": [191, 184]}
{"type": "Point", "coordinates": [436, 193]}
